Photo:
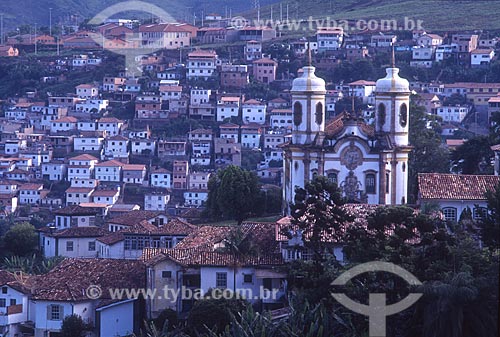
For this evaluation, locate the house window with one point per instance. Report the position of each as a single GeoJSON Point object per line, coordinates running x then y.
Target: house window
{"type": "Point", "coordinates": [370, 183]}
{"type": "Point", "coordinates": [247, 278]}
{"type": "Point", "coordinates": [91, 246]}
{"type": "Point", "coordinates": [55, 312]}
{"type": "Point", "coordinates": [12, 301]}
{"type": "Point", "coordinates": [450, 213]}
{"type": "Point", "coordinates": [2, 303]}
{"type": "Point", "coordinates": [4, 290]}
{"type": "Point", "coordinates": [221, 280]}
{"type": "Point", "coordinates": [69, 246]}
{"type": "Point", "coordinates": [166, 274]}
{"type": "Point", "coordinates": [479, 213]}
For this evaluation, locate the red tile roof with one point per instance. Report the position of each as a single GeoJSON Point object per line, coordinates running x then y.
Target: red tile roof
{"type": "Point", "coordinates": [79, 232]}
{"type": "Point", "coordinates": [134, 217]}
{"type": "Point", "coordinates": [455, 186]}
{"type": "Point", "coordinates": [86, 157]}
{"type": "Point", "coordinates": [69, 280]}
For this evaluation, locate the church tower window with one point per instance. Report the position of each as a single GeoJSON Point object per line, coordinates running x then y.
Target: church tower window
{"type": "Point", "coordinates": [297, 113]}
{"type": "Point", "coordinates": [370, 183]}
{"type": "Point", "coordinates": [332, 177]}
{"type": "Point", "coordinates": [381, 114]}
{"type": "Point", "coordinates": [403, 115]}
{"type": "Point", "coordinates": [387, 177]}
{"type": "Point", "coordinates": [319, 113]}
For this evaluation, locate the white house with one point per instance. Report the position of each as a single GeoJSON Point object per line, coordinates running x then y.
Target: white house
{"type": "Point", "coordinates": [253, 111]}
{"type": "Point", "coordinates": [78, 195]}
{"type": "Point", "coordinates": [160, 178]}
{"type": "Point", "coordinates": [250, 135]}
{"type": "Point", "coordinates": [116, 147]}
{"type": "Point", "coordinates": [455, 113]}
{"type": "Point", "coordinates": [14, 303]}
{"type": "Point", "coordinates": [329, 38]}
{"type": "Point", "coordinates": [88, 141]}
{"type": "Point", "coordinates": [111, 125]}
{"type": "Point", "coordinates": [81, 166]}
{"type": "Point", "coordinates": [201, 64]}
{"type": "Point", "coordinates": [143, 146]}
{"type": "Point", "coordinates": [108, 171]}
{"type": "Point", "coordinates": [281, 118]}
{"type": "Point", "coordinates": [74, 216]}
{"type": "Point", "coordinates": [59, 293]}
{"type": "Point", "coordinates": [194, 197]}
{"type": "Point", "coordinates": [31, 194]}
{"type": "Point", "coordinates": [156, 201]}
{"type": "Point", "coordinates": [75, 242]}
{"type": "Point", "coordinates": [54, 171]}
{"type": "Point", "coordinates": [92, 105]}
{"type": "Point", "coordinates": [87, 91]}
{"type": "Point", "coordinates": [198, 180]}
{"type": "Point", "coordinates": [456, 192]}
{"type": "Point", "coordinates": [227, 107]}
{"type": "Point", "coordinates": [133, 173]}
{"type": "Point", "coordinates": [66, 123]}
{"type": "Point", "coordinates": [105, 196]}
{"type": "Point", "coordinates": [481, 57]}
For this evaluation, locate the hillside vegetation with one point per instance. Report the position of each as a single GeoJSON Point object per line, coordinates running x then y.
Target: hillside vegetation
{"type": "Point", "coordinates": [437, 15]}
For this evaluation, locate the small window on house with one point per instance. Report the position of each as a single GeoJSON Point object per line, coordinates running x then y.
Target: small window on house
{"type": "Point", "coordinates": [221, 280]}
{"type": "Point", "coordinates": [166, 274]}
{"type": "Point", "coordinates": [4, 290]}
{"type": "Point", "coordinates": [332, 177]}
{"type": "Point", "coordinates": [2, 303]}
{"type": "Point", "coordinates": [450, 213]}
{"type": "Point", "coordinates": [91, 246]}
{"type": "Point", "coordinates": [55, 312]}
{"type": "Point", "coordinates": [69, 246]}
{"type": "Point", "coordinates": [247, 278]}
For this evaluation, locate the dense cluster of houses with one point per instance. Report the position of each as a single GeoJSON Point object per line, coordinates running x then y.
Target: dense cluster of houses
{"type": "Point", "coordinates": [114, 238]}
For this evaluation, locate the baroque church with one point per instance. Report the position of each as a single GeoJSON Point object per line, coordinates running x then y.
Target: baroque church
{"type": "Point", "coordinates": [369, 163]}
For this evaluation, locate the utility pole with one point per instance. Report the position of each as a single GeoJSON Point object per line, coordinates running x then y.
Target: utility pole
{"type": "Point", "coordinates": [36, 44]}
{"type": "Point", "coordinates": [1, 29]}
{"type": "Point", "coordinates": [50, 21]}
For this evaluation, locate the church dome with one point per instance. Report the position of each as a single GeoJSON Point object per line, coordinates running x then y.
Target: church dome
{"type": "Point", "coordinates": [392, 82]}
{"type": "Point", "coordinates": [308, 82]}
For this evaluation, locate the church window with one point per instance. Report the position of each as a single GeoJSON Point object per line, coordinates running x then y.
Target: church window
{"type": "Point", "coordinates": [332, 177]}
{"type": "Point", "coordinates": [370, 183]}
{"type": "Point", "coordinates": [381, 114]}
{"type": "Point", "coordinates": [297, 113]}
{"type": "Point", "coordinates": [404, 167]}
{"type": "Point", "coordinates": [450, 213]}
{"type": "Point", "coordinates": [319, 113]}
{"type": "Point", "coordinates": [403, 115]}
{"type": "Point", "coordinates": [387, 176]}
{"type": "Point", "coordinates": [296, 166]}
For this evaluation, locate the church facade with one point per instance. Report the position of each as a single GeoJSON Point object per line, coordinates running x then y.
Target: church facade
{"type": "Point", "coordinates": [369, 163]}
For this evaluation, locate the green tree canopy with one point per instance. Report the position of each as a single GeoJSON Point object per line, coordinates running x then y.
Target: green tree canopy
{"type": "Point", "coordinates": [73, 326]}
{"type": "Point", "coordinates": [316, 211]}
{"type": "Point", "coordinates": [21, 239]}
{"type": "Point", "coordinates": [233, 193]}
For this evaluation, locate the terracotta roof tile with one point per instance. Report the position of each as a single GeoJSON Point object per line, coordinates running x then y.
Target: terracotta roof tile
{"type": "Point", "coordinates": [69, 280]}
{"type": "Point", "coordinates": [455, 186]}
{"type": "Point", "coordinates": [134, 217]}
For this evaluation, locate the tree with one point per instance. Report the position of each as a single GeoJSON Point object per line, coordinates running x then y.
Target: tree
{"type": "Point", "coordinates": [490, 221]}
{"type": "Point", "coordinates": [213, 314]}
{"type": "Point", "coordinates": [232, 193]}
{"type": "Point", "coordinates": [428, 154]}
{"type": "Point", "coordinates": [317, 212]}
{"type": "Point", "coordinates": [21, 239]}
{"type": "Point", "coordinates": [74, 326]}
{"type": "Point", "coordinates": [474, 156]}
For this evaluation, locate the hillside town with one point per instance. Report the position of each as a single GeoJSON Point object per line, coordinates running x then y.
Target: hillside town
{"type": "Point", "coordinates": [113, 164]}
